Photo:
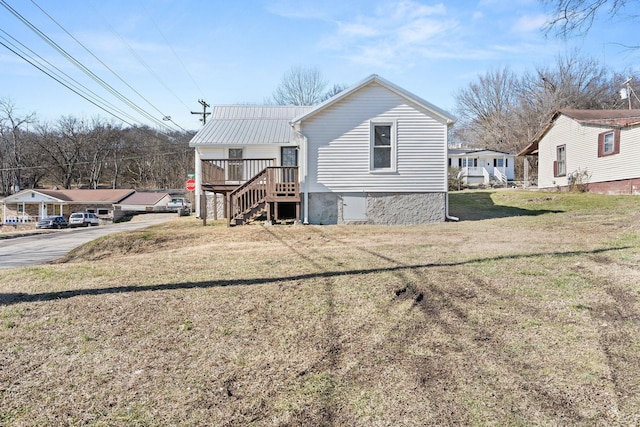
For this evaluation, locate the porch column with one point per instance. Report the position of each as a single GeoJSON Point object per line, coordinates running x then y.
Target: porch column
{"type": "Point", "coordinates": [504, 171]}
{"type": "Point", "coordinates": [198, 173]}
{"type": "Point", "coordinates": [526, 172]}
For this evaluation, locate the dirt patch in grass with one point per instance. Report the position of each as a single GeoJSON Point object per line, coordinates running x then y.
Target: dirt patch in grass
{"type": "Point", "coordinates": [510, 320]}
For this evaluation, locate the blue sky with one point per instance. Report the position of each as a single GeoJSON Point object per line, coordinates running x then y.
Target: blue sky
{"type": "Point", "coordinates": [168, 54]}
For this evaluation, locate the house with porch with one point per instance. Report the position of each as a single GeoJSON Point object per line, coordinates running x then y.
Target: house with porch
{"type": "Point", "coordinates": [483, 166]}
{"type": "Point", "coordinates": [28, 206]}
{"type": "Point", "coordinates": [374, 153]}
{"type": "Point", "coordinates": [597, 149]}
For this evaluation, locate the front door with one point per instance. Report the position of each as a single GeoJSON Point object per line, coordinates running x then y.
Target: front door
{"type": "Point", "coordinates": [236, 169]}
{"type": "Point", "coordinates": [289, 157]}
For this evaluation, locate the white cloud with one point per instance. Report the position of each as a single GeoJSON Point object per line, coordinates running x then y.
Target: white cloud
{"type": "Point", "coordinates": [396, 31]}
{"type": "Point", "coordinates": [529, 23]}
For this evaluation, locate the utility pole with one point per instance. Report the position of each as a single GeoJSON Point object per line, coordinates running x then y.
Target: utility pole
{"type": "Point", "coordinates": [204, 111]}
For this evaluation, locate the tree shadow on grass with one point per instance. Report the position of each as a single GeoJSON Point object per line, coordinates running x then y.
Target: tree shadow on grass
{"type": "Point", "coordinates": [19, 297]}
{"type": "Point", "coordinates": [478, 205]}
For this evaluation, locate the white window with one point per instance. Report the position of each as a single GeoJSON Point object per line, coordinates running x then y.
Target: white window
{"type": "Point", "coordinates": [383, 147]}
{"type": "Point", "coordinates": [468, 163]}
{"type": "Point", "coordinates": [499, 163]}
{"type": "Point", "coordinates": [609, 143]}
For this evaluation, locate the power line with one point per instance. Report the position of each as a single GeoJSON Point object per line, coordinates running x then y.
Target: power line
{"type": "Point", "coordinates": [195, 83]}
{"type": "Point", "coordinates": [64, 84]}
{"type": "Point", "coordinates": [61, 77]}
{"type": "Point", "coordinates": [82, 67]}
{"type": "Point", "coordinates": [101, 62]}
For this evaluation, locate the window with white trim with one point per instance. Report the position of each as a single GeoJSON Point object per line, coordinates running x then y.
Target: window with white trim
{"type": "Point", "coordinates": [383, 145]}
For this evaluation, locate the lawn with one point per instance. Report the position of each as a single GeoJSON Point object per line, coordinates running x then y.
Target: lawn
{"type": "Point", "coordinates": [524, 313]}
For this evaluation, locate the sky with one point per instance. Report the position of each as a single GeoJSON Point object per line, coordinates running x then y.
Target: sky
{"type": "Point", "coordinates": [149, 62]}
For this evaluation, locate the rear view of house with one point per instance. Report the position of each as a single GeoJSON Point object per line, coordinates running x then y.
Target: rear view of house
{"type": "Point", "coordinates": [597, 149]}
{"type": "Point", "coordinates": [373, 154]}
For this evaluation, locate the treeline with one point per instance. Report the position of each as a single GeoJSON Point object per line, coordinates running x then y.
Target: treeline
{"type": "Point", "coordinates": [94, 153]}
{"type": "Point", "coordinates": [504, 111]}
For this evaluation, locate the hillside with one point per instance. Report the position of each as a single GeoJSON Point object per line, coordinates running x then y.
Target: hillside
{"type": "Point", "coordinates": [524, 313]}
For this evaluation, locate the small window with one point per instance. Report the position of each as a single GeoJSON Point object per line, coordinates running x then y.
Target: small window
{"type": "Point", "coordinates": [91, 210]}
{"type": "Point", "coordinates": [382, 146]}
{"type": "Point", "coordinates": [103, 211]}
{"type": "Point", "coordinates": [469, 163]}
{"type": "Point", "coordinates": [608, 143]}
{"type": "Point", "coordinates": [500, 163]}
{"type": "Point", "coordinates": [560, 165]}
{"type": "Point", "coordinates": [289, 156]}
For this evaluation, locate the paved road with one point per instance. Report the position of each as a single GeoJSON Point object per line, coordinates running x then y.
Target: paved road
{"type": "Point", "coordinates": [43, 248]}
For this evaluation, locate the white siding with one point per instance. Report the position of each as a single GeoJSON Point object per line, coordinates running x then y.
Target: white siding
{"type": "Point", "coordinates": [339, 144]}
{"type": "Point", "coordinates": [582, 153]}
{"type": "Point", "coordinates": [249, 152]}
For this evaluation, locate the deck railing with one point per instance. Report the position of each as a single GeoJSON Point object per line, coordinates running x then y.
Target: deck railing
{"type": "Point", "coordinates": [273, 184]}
{"type": "Point", "coordinates": [232, 171]}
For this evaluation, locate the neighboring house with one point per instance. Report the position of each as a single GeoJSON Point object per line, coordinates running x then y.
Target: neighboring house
{"type": "Point", "coordinates": [31, 205]}
{"type": "Point", "coordinates": [374, 153]}
{"type": "Point", "coordinates": [143, 201]}
{"type": "Point", "coordinates": [483, 166]}
{"type": "Point", "coordinates": [599, 148]}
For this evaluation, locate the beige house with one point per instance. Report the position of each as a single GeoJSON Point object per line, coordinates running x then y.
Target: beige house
{"type": "Point", "coordinates": [596, 148]}
{"type": "Point", "coordinates": [28, 206]}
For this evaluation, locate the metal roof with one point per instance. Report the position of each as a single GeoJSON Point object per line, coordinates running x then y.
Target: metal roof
{"type": "Point", "coordinates": [248, 124]}
{"type": "Point", "coordinates": [144, 198]}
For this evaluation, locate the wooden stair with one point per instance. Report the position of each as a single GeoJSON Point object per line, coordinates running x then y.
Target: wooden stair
{"type": "Point", "coordinates": [272, 186]}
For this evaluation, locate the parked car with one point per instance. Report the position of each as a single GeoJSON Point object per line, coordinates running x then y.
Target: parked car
{"type": "Point", "coordinates": [179, 204]}
{"type": "Point", "coordinates": [83, 219]}
{"type": "Point", "coordinates": [53, 222]}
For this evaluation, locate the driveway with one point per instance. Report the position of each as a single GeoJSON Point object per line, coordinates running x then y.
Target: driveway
{"type": "Point", "coordinates": [39, 249]}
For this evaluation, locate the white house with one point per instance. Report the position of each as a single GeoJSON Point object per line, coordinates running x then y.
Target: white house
{"type": "Point", "coordinates": [599, 148]}
{"type": "Point", "coordinates": [374, 153]}
{"type": "Point", "coordinates": [483, 166]}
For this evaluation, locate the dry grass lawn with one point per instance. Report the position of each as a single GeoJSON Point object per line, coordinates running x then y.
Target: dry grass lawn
{"type": "Point", "coordinates": [524, 313]}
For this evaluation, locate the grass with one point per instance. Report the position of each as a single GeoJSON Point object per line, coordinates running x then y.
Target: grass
{"type": "Point", "coordinates": [524, 313]}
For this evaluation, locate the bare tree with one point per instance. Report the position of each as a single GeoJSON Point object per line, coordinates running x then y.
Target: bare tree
{"type": "Point", "coordinates": [66, 145]}
{"type": "Point", "coordinates": [300, 86]}
{"type": "Point", "coordinates": [577, 16]}
{"type": "Point", "coordinates": [334, 90]}
{"type": "Point", "coordinates": [503, 112]}
{"type": "Point", "coordinates": [12, 146]}
{"type": "Point", "coordinates": [487, 110]}
{"type": "Point", "coordinates": [573, 82]}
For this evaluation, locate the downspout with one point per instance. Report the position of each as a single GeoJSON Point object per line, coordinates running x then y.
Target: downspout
{"type": "Point", "coordinates": [305, 192]}
{"type": "Point", "coordinates": [447, 217]}
{"type": "Point", "coordinates": [446, 213]}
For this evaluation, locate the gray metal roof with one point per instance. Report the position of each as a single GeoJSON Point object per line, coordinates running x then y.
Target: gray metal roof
{"type": "Point", "coordinates": [248, 124]}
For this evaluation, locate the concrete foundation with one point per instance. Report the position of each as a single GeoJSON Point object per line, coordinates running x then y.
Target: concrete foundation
{"type": "Point", "coordinates": [379, 208]}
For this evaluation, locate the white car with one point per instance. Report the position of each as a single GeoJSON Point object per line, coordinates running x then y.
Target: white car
{"type": "Point", "coordinates": [83, 219]}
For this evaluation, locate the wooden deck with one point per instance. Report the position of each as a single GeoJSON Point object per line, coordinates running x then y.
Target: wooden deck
{"type": "Point", "coordinates": [251, 188]}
